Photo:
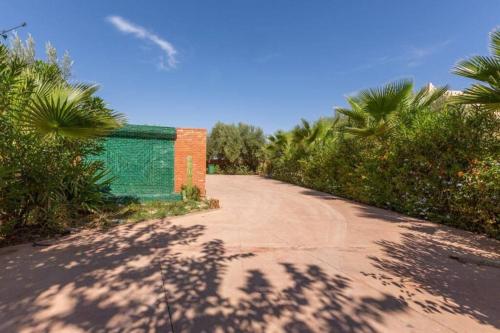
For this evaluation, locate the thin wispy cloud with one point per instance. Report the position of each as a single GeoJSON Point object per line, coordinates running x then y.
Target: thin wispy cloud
{"type": "Point", "coordinates": [265, 58]}
{"type": "Point", "coordinates": [411, 57]}
{"type": "Point", "coordinates": [168, 61]}
{"type": "Point", "coordinates": [416, 55]}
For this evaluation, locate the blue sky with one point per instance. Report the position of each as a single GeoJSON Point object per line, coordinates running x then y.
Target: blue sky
{"type": "Point", "coordinates": [269, 63]}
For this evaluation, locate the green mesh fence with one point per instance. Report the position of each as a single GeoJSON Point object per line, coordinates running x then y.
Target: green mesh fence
{"type": "Point", "coordinates": [141, 159]}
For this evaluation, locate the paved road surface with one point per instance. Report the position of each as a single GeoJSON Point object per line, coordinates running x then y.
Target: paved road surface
{"type": "Point", "coordinates": [274, 258]}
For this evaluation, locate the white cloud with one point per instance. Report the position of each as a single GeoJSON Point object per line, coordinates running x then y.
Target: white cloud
{"type": "Point", "coordinates": [416, 55]}
{"type": "Point", "coordinates": [168, 61]}
{"type": "Point", "coordinates": [411, 57]}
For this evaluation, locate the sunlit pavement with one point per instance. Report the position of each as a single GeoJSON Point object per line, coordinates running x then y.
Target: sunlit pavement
{"type": "Point", "coordinates": [274, 258]}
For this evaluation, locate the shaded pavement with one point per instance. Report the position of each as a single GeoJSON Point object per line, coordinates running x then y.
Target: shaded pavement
{"type": "Point", "coordinates": [274, 258]}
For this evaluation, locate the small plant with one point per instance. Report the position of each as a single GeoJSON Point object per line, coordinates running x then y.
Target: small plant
{"type": "Point", "coordinates": [131, 212]}
{"type": "Point", "coordinates": [190, 191]}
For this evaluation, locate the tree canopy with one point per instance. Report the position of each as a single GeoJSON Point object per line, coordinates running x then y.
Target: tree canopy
{"type": "Point", "coordinates": [236, 148]}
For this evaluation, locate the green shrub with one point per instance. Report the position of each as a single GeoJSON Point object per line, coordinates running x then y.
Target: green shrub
{"type": "Point", "coordinates": [477, 196]}
{"type": "Point", "coordinates": [190, 192]}
{"type": "Point", "coordinates": [130, 212]}
{"type": "Point", "coordinates": [442, 166]}
{"type": "Point", "coordinates": [48, 127]}
{"type": "Point", "coordinates": [236, 170]}
{"type": "Point", "coordinates": [237, 149]}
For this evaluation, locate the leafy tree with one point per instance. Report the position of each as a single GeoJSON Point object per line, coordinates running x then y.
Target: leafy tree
{"type": "Point", "coordinates": [486, 70]}
{"type": "Point", "coordinates": [236, 148]}
{"type": "Point", "coordinates": [224, 144]}
{"type": "Point", "coordinates": [305, 135]}
{"type": "Point", "coordinates": [253, 141]}
{"type": "Point", "coordinates": [38, 96]}
{"type": "Point", "coordinates": [303, 138]}
{"type": "Point", "coordinates": [376, 112]}
{"type": "Point", "coordinates": [48, 127]}
{"type": "Point", "coordinates": [278, 144]}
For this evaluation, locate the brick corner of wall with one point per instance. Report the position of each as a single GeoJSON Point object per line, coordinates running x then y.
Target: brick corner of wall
{"type": "Point", "coordinates": [190, 142]}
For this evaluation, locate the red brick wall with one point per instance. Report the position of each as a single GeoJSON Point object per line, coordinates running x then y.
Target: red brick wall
{"type": "Point", "coordinates": [190, 142]}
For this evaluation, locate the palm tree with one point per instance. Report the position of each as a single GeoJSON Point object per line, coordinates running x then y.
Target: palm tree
{"type": "Point", "coordinates": [374, 112]}
{"type": "Point", "coordinates": [45, 124]}
{"type": "Point", "coordinates": [302, 136]}
{"type": "Point", "coordinates": [37, 99]}
{"type": "Point", "coordinates": [68, 111]}
{"type": "Point", "coordinates": [486, 70]}
{"type": "Point", "coordinates": [306, 135]}
{"type": "Point", "coordinates": [322, 130]}
{"type": "Point", "coordinates": [278, 144]}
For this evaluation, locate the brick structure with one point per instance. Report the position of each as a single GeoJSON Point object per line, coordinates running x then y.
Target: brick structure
{"type": "Point", "coordinates": [190, 142]}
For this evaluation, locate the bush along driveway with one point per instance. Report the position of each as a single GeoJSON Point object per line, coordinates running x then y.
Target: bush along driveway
{"type": "Point", "coordinates": [275, 257]}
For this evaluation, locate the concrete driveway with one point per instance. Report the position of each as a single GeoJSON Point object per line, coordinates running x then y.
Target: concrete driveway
{"type": "Point", "coordinates": [274, 258]}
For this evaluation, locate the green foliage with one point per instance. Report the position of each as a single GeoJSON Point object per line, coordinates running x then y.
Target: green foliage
{"type": "Point", "coordinates": [236, 148]}
{"type": "Point", "coordinates": [69, 111]}
{"type": "Point", "coordinates": [131, 212]}
{"type": "Point", "coordinates": [48, 127]}
{"type": "Point", "coordinates": [428, 153]}
{"type": "Point", "coordinates": [376, 112]}
{"type": "Point", "coordinates": [477, 197]}
{"type": "Point", "coordinates": [440, 161]}
{"type": "Point", "coordinates": [189, 170]}
{"type": "Point", "coordinates": [253, 141]}
{"type": "Point", "coordinates": [224, 144]}
{"type": "Point", "coordinates": [485, 70]}
{"type": "Point", "coordinates": [190, 191]}
{"type": "Point", "coordinates": [278, 144]}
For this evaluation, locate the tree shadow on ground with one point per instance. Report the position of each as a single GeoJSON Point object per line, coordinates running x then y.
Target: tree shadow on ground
{"type": "Point", "coordinates": [380, 213]}
{"type": "Point", "coordinates": [363, 209]}
{"type": "Point", "coordinates": [421, 269]}
{"type": "Point", "coordinates": [421, 264]}
{"type": "Point", "coordinates": [312, 301]}
{"type": "Point", "coordinates": [113, 282]}
{"type": "Point", "coordinates": [90, 281]}
{"type": "Point", "coordinates": [321, 195]}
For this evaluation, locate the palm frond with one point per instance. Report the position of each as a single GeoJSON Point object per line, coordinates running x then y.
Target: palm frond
{"type": "Point", "coordinates": [357, 116]}
{"type": "Point", "coordinates": [278, 143]}
{"type": "Point", "coordinates": [60, 110]}
{"type": "Point", "coordinates": [317, 133]}
{"type": "Point", "coordinates": [488, 97]}
{"type": "Point", "coordinates": [480, 68]}
{"type": "Point", "coordinates": [372, 111]}
{"type": "Point", "coordinates": [355, 103]}
{"type": "Point", "coordinates": [486, 70]}
{"type": "Point", "coordinates": [378, 130]}
{"type": "Point", "coordinates": [495, 42]}
{"type": "Point", "coordinates": [13, 85]}
{"type": "Point", "coordinates": [425, 96]}
{"type": "Point", "coordinates": [380, 102]}
{"type": "Point", "coordinates": [301, 132]}
{"type": "Point", "coordinates": [305, 124]}
{"type": "Point", "coordinates": [360, 132]}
